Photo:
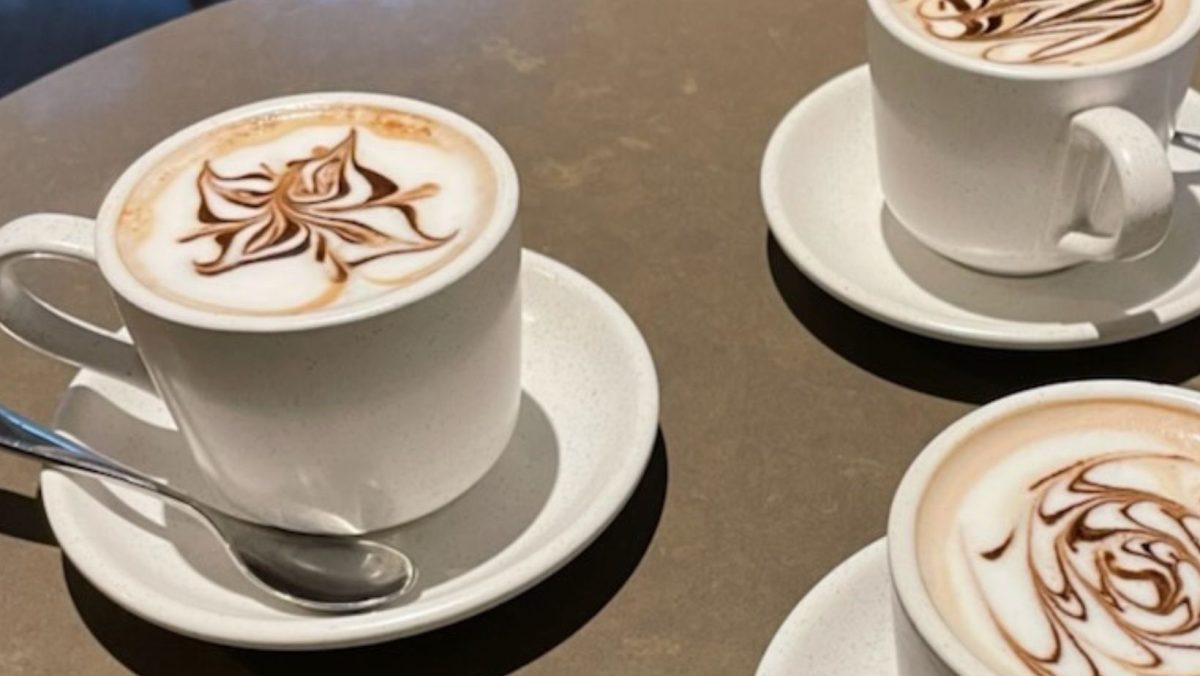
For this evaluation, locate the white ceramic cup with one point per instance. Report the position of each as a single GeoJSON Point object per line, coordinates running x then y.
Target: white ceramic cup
{"type": "Point", "coordinates": [1025, 169]}
{"type": "Point", "coordinates": [354, 419]}
{"type": "Point", "coordinates": [925, 643]}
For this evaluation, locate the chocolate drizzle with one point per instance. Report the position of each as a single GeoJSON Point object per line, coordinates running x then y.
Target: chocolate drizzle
{"type": "Point", "coordinates": [1034, 31]}
{"type": "Point", "coordinates": [326, 205]}
{"type": "Point", "coordinates": [993, 554]}
{"type": "Point", "coordinates": [1115, 569]}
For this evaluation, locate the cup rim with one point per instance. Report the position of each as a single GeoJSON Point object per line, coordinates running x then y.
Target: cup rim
{"type": "Point", "coordinates": [1184, 33]}
{"type": "Point", "coordinates": [498, 225]}
{"type": "Point", "coordinates": [907, 583]}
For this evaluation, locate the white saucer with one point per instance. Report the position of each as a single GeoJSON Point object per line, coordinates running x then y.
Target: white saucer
{"type": "Point", "coordinates": [843, 627]}
{"type": "Point", "coordinates": [822, 197]}
{"type": "Point", "coordinates": [588, 424]}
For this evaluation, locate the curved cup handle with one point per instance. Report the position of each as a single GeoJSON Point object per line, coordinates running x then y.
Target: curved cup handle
{"type": "Point", "coordinates": [1124, 190]}
{"type": "Point", "coordinates": [45, 328]}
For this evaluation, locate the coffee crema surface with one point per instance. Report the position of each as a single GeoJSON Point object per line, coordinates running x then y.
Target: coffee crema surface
{"type": "Point", "coordinates": [1065, 539]}
{"type": "Point", "coordinates": [302, 210]}
{"type": "Point", "coordinates": [1072, 32]}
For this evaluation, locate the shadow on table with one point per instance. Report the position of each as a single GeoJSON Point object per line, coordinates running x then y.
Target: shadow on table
{"type": "Point", "coordinates": [23, 517]}
{"type": "Point", "coordinates": [972, 374]}
{"type": "Point", "coordinates": [495, 642]}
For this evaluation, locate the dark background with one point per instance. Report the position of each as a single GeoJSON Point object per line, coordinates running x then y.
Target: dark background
{"type": "Point", "coordinates": [37, 36]}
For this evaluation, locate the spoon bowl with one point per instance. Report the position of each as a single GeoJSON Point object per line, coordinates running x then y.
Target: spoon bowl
{"type": "Point", "coordinates": [327, 573]}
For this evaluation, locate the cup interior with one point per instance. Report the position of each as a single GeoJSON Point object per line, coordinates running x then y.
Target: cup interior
{"type": "Point", "coordinates": [907, 579]}
{"type": "Point", "coordinates": [884, 15]}
{"type": "Point", "coordinates": [499, 222]}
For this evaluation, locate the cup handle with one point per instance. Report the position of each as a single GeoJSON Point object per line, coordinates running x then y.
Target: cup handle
{"type": "Point", "coordinates": [1118, 171]}
{"type": "Point", "coordinates": [47, 329]}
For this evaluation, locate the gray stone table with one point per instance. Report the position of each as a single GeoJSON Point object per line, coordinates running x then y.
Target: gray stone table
{"type": "Point", "coordinates": [637, 127]}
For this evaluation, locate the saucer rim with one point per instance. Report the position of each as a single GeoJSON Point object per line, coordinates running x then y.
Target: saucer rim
{"type": "Point", "coordinates": [867, 560]}
{"type": "Point", "coordinates": [316, 632]}
{"type": "Point", "coordinates": [1029, 336]}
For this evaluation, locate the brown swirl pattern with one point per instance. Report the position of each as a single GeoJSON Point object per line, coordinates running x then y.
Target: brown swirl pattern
{"type": "Point", "coordinates": [1115, 568]}
{"type": "Point", "coordinates": [320, 206]}
{"type": "Point", "coordinates": [1034, 31]}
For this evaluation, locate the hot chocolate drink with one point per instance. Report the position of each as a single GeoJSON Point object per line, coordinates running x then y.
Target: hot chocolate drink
{"type": "Point", "coordinates": [1076, 32]}
{"type": "Point", "coordinates": [304, 210]}
{"type": "Point", "coordinates": [1065, 539]}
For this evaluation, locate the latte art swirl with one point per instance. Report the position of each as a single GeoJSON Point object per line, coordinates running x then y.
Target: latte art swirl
{"type": "Point", "coordinates": [314, 206]}
{"type": "Point", "coordinates": [1043, 31]}
{"type": "Point", "coordinates": [1114, 568]}
{"type": "Point", "coordinates": [306, 209]}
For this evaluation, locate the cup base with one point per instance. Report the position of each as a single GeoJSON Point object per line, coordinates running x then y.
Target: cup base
{"type": "Point", "coordinates": [990, 263]}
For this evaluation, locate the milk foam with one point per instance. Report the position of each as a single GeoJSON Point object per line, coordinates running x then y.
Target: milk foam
{"type": "Point", "coordinates": [305, 211]}
{"type": "Point", "coordinates": [1065, 540]}
{"type": "Point", "coordinates": [1072, 32]}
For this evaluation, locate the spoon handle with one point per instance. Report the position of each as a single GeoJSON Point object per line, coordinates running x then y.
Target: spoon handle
{"type": "Point", "coordinates": [21, 436]}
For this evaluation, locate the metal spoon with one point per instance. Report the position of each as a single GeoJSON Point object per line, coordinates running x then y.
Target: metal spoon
{"type": "Point", "coordinates": [328, 573]}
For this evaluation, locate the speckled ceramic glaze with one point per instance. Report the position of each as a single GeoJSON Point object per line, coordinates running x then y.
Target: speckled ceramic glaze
{"type": "Point", "coordinates": [588, 419]}
{"type": "Point", "coordinates": [353, 419]}
{"type": "Point", "coordinates": [822, 196]}
{"type": "Point", "coordinates": [1024, 169]}
{"type": "Point", "coordinates": [842, 627]}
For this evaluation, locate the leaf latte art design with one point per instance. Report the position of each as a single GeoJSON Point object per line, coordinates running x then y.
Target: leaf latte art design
{"type": "Point", "coordinates": [1114, 567]}
{"type": "Point", "coordinates": [327, 206]}
{"type": "Point", "coordinates": [1034, 31]}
